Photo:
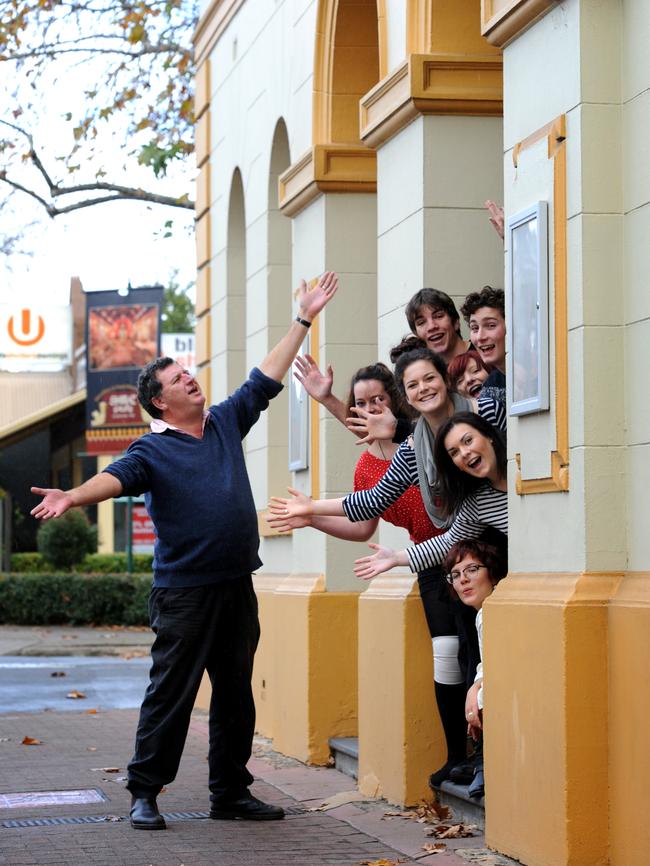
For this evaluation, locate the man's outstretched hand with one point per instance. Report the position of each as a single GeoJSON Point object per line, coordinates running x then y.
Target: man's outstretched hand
{"type": "Point", "coordinates": [54, 503]}
{"type": "Point", "coordinates": [312, 301]}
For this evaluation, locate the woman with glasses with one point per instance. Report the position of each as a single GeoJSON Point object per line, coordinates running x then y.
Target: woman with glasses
{"type": "Point", "coordinates": [473, 570]}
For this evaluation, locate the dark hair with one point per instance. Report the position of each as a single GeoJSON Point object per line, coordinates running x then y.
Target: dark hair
{"type": "Point", "coordinates": [379, 372]}
{"type": "Point", "coordinates": [487, 297]}
{"type": "Point", "coordinates": [458, 365]}
{"type": "Point", "coordinates": [435, 299]}
{"type": "Point", "coordinates": [454, 484]}
{"type": "Point", "coordinates": [421, 354]}
{"type": "Point", "coordinates": [149, 387]}
{"type": "Point", "coordinates": [495, 559]}
{"type": "Point", "coordinates": [407, 344]}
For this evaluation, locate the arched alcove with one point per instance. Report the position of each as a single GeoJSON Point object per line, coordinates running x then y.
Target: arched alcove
{"type": "Point", "coordinates": [231, 319]}
{"type": "Point", "coordinates": [278, 304]}
{"type": "Point", "coordinates": [351, 57]}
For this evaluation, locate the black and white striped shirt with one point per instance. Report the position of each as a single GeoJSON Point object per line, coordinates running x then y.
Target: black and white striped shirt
{"type": "Point", "coordinates": [486, 506]}
{"type": "Point", "coordinates": [403, 471]}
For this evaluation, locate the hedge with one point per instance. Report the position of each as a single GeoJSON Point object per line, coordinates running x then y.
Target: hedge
{"type": "Point", "coordinates": [94, 563]}
{"type": "Point", "coordinates": [74, 599]}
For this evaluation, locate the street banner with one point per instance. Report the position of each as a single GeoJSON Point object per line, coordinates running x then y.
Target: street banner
{"type": "Point", "coordinates": [122, 335]}
{"type": "Point", "coordinates": [180, 347]}
{"type": "Point", "coordinates": [35, 338]}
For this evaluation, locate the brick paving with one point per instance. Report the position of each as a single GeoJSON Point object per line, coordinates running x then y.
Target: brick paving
{"type": "Point", "coordinates": [77, 746]}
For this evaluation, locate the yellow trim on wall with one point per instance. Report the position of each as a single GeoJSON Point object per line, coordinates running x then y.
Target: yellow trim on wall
{"type": "Point", "coordinates": [327, 168]}
{"type": "Point", "coordinates": [202, 138]}
{"type": "Point", "coordinates": [324, 48]}
{"type": "Point", "coordinates": [203, 240]}
{"type": "Point", "coordinates": [431, 84]}
{"type": "Point", "coordinates": [558, 480]}
{"type": "Point", "coordinates": [203, 339]}
{"type": "Point", "coordinates": [204, 378]}
{"type": "Point", "coordinates": [203, 191]}
{"type": "Point", "coordinates": [314, 420]}
{"type": "Point", "coordinates": [504, 20]}
{"type": "Point", "coordinates": [203, 290]}
{"type": "Point", "coordinates": [202, 88]}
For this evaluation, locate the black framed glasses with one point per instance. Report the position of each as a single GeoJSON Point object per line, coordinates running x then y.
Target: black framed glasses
{"type": "Point", "coordinates": [469, 571]}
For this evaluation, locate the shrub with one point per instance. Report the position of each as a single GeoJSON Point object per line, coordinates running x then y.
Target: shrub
{"type": "Point", "coordinates": [93, 563]}
{"type": "Point", "coordinates": [28, 562]}
{"type": "Point", "coordinates": [114, 563]}
{"type": "Point", "coordinates": [74, 599]}
{"type": "Point", "coordinates": [66, 541]}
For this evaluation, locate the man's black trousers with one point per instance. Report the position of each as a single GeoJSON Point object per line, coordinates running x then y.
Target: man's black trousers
{"type": "Point", "coordinates": [215, 628]}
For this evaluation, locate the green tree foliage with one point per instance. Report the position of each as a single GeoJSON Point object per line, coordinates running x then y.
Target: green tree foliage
{"type": "Point", "coordinates": [64, 542]}
{"type": "Point", "coordinates": [122, 72]}
{"type": "Point", "coordinates": [178, 308]}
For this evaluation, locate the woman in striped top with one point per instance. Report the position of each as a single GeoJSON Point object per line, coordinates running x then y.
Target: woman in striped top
{"type": "Point", "coordinates": [470, 455]}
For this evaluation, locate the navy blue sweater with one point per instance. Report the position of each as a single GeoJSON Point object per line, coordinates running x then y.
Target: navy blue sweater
{"type": "Point", "coordinates": [197, 491]}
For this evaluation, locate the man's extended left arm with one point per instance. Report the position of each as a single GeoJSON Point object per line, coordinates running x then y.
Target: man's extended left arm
{"type": "Point", "coordinates": [310, 303]}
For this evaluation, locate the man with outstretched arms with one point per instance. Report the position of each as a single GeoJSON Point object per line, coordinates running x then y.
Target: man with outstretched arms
{"type": "Point", "coordinates": [202, 607]}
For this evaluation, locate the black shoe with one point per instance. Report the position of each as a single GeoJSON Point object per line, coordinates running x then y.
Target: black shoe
{"type": "Point", "coordinates": [477, 788]}
{"type": "Point", "coordinates": [145, 814]}
{"type": "Point", "coordinates": [436, 779]}
{"type": "Point", "coordinates": [247, 808]}
{"type": "Point", "coordinates": [463, 773]}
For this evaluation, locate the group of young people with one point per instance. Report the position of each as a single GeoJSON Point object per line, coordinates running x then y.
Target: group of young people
{"type": "Point", "coordinates": [436, 466]}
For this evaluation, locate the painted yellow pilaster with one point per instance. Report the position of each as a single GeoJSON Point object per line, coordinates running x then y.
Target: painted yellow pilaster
{"type": "Point", "coordinates": [105, 519]}
{"type": "Point", "coordinates": [400, 737]}
{"type": "Point", "coordinates": [312, 679]}
{"type": "Point", "coordinates": [629, 707]}
{"type": "Point", "coordinates": [546, 695]}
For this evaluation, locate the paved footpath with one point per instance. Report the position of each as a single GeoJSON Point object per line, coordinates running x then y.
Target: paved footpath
{"type": "Point", "coordinates": [77, 749]}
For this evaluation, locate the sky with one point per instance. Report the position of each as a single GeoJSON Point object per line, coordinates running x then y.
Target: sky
{"type": "Point", "coordinates": [108, 245]}
{"type": "Point", "coordinates": [105, 246]}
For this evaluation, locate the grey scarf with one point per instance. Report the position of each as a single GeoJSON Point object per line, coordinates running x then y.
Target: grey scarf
{"type": "Point", "coordinates": [423, 441]}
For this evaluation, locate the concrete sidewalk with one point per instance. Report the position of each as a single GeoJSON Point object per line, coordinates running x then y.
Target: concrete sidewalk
{"type": "Point", "coordinates": [63, 640]}
{"type": "Point", "coordinates": [77, 750]}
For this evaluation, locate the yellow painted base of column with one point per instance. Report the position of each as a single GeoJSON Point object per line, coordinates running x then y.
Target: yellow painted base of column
{"type": "Point", "coordinates": [311, 682]}
{"type": "Point", "coordinates": [305, 675]}
{"type": "Point", "coordinates": [400, 737]}
{"type": "Point", "coordinates": [546, 718]}
{"type": "Point", "coordinates": [629, 710]}
{"type": "Point", "coordinates": [105, 517]}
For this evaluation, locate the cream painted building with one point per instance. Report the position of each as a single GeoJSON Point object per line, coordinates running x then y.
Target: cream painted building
{"type": "Point", "coordinates": [364, 138]}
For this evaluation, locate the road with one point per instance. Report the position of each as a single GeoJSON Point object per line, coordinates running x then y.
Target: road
{"type": "Point", "coordinates": [27, 684]}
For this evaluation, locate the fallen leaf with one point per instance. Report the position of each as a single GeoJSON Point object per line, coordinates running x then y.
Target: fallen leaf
{"type": "Point", "coordinates": [443, 812]}
{"type": "Point", "coordinates": [31, 741]}
{"type": "Point", "coordinates": [58, 674]}
{"type": "Point", "coordinates": [339, 799]}
{"type": "Point", "coordinates": [434, 847]}
{"type": "Point", "coordinates": [381, 862]}
{"type": "Point", "coordinates": [91, 712]}
{"type": "Point", "coordinates": [69, 637]}
{"type": "Point", "coordinates": [452, 831]}
{"type": "Point", "coordinates": [75, 695]}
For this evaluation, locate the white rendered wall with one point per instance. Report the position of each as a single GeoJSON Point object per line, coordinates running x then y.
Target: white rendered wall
{"type": "Point", "coordinates": [433, 178]}
{"type": "Point", "coordinates": [569, 60]}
